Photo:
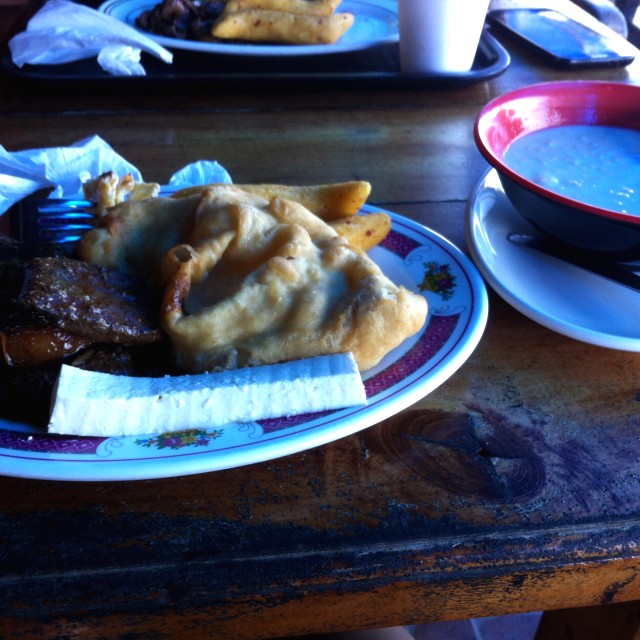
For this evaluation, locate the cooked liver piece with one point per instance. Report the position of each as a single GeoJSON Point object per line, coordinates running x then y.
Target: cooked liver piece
{"type": "Point", "coordinates": [99, 304]}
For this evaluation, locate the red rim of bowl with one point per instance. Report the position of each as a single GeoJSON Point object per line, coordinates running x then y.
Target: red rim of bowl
{"type": "Point", "coordinates": [574, 102]}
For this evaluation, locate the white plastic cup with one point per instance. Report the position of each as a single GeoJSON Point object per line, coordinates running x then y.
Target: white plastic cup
{"type": "Point", "coordinates": [440, 36]}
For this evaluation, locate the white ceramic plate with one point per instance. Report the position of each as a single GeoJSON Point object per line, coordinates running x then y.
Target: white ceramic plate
{"type": "Point", "coordinates": [411, 255]}
{"type": "Point", "coordinates": [558, 295]}
{"type": "Point", "coordinates": [376, 22]}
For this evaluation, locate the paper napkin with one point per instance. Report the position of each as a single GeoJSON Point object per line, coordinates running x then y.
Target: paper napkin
{"type": "Point", "coordinates": [63, 31]}
{"type": "Point", "coordinates": [65, 169]}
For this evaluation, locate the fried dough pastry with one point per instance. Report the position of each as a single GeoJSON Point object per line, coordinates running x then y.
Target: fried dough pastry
{"type": "Point", "coordinates": [274, 282]}
{"type": "Point", "coordinates": [134, 235]}
{"type": "Point", "coordinates": [256, 280]}
{"type": "Point", "coordinates": [311, 7]}
{"type": "Point", "coordinates": [264, 25]}
{"type": "Point", "coordinates": [108, 189]}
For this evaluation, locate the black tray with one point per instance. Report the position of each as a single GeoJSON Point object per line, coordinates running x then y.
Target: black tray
{"type": "Point", "coordinates": [374, 67]}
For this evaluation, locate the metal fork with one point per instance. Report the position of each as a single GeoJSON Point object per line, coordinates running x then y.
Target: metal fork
{"type": "Point", "coordinates": [50, 221]}
{"type": "Point", "coordinates": [56, 221]}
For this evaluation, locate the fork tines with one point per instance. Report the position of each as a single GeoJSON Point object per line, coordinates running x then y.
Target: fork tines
{"type": "Point", "coordinates": [50, 221]}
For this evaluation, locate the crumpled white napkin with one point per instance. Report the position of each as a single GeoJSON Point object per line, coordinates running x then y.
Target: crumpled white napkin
{"type": "Point", "coordinates": [63, 31]}
{"type": "Point", "coordinates": [65, 169]}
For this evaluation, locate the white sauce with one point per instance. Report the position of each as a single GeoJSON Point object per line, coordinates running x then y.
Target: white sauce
{"type": "Point", "coordinates": [596, 165]}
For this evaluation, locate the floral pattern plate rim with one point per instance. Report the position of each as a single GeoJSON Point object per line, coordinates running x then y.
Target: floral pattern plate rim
{"type": "Point", "coordinates": [411, 255]}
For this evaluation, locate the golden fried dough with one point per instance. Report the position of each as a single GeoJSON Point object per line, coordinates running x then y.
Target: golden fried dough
{"type": "Point", "coordinates": [312, 7]}
{"type": "Point", "coordinates": [301, 290]}
{"type": "Point", "coordinates": [262, 25]}
{"type": "Point", "coordinates": [249, 280]}
{"type": "Point", "coordinates": [108, 189]}
{"type": "Point", "coordinates": [364, 232]}
{"type": "Point", "coordinates": [133, 236]}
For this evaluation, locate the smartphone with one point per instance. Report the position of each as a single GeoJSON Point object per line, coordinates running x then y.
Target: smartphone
{"type": "Point", "coordinates": [561, 40]}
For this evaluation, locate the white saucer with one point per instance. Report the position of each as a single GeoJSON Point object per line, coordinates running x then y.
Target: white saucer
{"type": "Point", "coordinates": [558, 295]}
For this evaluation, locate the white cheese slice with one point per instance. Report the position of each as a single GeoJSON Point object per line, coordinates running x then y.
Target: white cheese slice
{"type": "Point", "coordinates": [88, 403]}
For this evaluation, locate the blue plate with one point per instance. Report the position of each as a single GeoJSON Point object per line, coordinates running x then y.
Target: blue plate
{"type": "Point", "coordinates": [375, 23]}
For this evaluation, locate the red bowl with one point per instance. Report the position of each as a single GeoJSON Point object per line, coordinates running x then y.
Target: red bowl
{"type": "Point", "coordinates": [515, 114]}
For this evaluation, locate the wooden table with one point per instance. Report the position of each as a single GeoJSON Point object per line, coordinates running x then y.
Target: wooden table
{"type": "Point", "coordinates": [397, 524]}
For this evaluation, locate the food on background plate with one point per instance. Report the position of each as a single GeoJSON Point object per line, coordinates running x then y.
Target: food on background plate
{"type": "Point", "coordinates": [181, 19]}
{"type": "Point", "coordinates": [310, 7]}
{"type": "Point", "coordinates": [253, 280]}
{"type": "Point", "coordinates": [261, 25]}
{"type": "Point", "coordinates": [301, 22]}
{"type": "Point", "coordinates": [90, 403]}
